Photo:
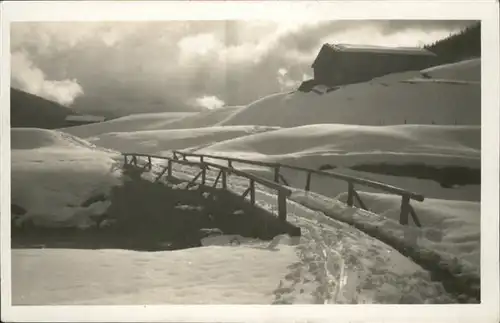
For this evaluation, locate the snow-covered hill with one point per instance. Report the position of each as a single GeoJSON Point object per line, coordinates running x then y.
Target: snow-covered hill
{"type": "Point", "coordinates": [160, 141]}
{"type": "Point", "coordinates": [154, 121]}
{"type": "Point", "coordinates": [55, 173]}
{"type": "Point", "coordinates": [347, 145]}
{"type": "Point", "coordinates": [386, 100]}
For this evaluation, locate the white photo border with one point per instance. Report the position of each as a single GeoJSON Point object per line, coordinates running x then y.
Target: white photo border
{"type": "Point", "coordinates": [72, 11]}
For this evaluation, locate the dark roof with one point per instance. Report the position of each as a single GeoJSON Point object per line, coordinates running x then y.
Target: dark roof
{"type": "Point", "coordinates": [352, 48]}
{"type": "Point", "coordinates": [381, 49]}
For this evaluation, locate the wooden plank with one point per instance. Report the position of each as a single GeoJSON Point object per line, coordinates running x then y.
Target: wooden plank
{"type": "Point", "coordinates": [192, 182]}
{"type": "Point", "coordinates": [282, 213]}
{"type": "Point", "coordinates": [358, 198]}
{"type": "Point", "coordinates": [161, 174]}
{"type": "Point", "coordinates": [284, 180]}
{"type": "Point", "coordinates": [308, 181]}
{"type": "Point", "coordinates": [405, 203]}
{"type": "Point", "coordinates": [246, 193]}
{"type": "Point", "coordinates": [350, 194]}
{"type": "Point", "coordinates": [414, 216]}
{"type": "Point", "coordinates": [252, 191]}
{"type": "Point", "coordinates": [217, 179]}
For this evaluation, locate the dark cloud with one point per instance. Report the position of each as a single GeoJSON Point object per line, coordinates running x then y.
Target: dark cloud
{"type": "Point", "coordinates": [132, 67]}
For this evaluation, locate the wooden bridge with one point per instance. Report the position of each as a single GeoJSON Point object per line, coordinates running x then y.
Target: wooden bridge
{"type": "Point", "coordinates": [279, 185]}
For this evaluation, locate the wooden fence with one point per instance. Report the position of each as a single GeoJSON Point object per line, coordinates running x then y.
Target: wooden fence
{"type": "Point", "coordinates": [282, 191]}
{"type": "Point", "coordinates": [406, 196]}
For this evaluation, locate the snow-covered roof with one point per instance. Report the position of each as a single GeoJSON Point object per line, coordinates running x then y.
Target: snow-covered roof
{"type": "Point", "coordinates": [380, 49]}
{"type": "Point", "coordinates": [85, 118]}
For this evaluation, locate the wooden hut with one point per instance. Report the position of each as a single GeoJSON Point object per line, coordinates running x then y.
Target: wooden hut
{"type": "Point", "coordinates": [338, 64]}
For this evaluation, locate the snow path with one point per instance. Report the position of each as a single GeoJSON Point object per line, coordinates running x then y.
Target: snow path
{"type": "Point", "coordinates": [347, 265]}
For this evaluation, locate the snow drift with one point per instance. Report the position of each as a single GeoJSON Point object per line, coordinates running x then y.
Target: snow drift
{"type": "Point", "coordinates": [346, 145]}
{"type": "Point", "coordinates": [54, 173]}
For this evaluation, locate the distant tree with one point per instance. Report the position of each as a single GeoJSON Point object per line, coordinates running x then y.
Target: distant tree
{"type": "Point", "coordinates": [462, 45]}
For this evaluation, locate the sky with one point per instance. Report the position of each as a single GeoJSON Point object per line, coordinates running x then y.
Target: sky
{"type": "Point", "coordinates": [133, 67]}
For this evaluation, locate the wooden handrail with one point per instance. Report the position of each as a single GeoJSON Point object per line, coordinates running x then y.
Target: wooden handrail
{"type": "Point", "coordinates": [284, 192]}
{"type": "Point", "coordinates": [257, 179]}
{"type": "Point", "coordinates": [350, 179]}
{"type": "Point", "coordinates": [236, 160]}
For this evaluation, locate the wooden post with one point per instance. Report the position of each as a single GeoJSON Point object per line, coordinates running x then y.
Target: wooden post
{"type": "Point", "coordinates": [169, 168]}
{"type": "Point", "coordinates": [358, 198]}
{"type": "Point", "coordinates": [201, 159]}
{"type": "Point", "coordinates": [134, 160]}
{"type": "Point", "coordinates": [282, 206]}
{"type": "Point", "coordinates": [277, 174]}
{"type": "Point", "coordinates": [229, 163]}
{"type": "Point", "coordinates": [405, 209]}
{"type": "Point", "coordinates": [149, 163]}
{"type": "Point", "coordinates": [224, 183]}
{"type": "Point", "coordinates": [252, 191]}
{"type": "Point", "coordinates": [308, 181]}
{"type": "Point", "coordinates": [414, 216]}
{"type": "Point", "coordinates": [126, 161]}
{"type": "Point", "coordinates": [203, 174]}
{"type": "Point", "coordinates": [350, 194]}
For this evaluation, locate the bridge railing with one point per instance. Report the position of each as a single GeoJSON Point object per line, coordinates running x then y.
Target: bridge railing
{"type": "Point", "coordinates": [282, 192]}
{"type": "Point", "coordinates": [352, 194]}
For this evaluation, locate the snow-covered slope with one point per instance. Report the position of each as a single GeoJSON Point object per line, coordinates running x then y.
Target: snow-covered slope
{"type": "Point", "coordinates": [159, 141]}
{"type": "Point", "coordinates": [331, 263]}
{"type": "Point", "coordinates": [53, 173]}
{"type": "Point", "coordinates": [154, 121]}
{"type": "Point", "coordinates": [469, 70]}
{"type": "Point", "coordinates": [386, 100]}
{"type": "Point", "coordinates": [347, 145]}
{"type": "Point", "coordinates": [135, 122]}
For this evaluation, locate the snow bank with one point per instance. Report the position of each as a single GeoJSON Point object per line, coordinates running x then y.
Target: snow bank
{"type": "Point", "coordinates": [34, 138]}
{"type": "Point", "coordinates": [54, 173]}
{"type": "Point", "coordinates": [450, 229]}
{"type": "Point", "coordinates": [159, 141]}
{"type": "Point", "coordinates": [346, 145]}
{"type": "Point", "coordinates": [386, 100]}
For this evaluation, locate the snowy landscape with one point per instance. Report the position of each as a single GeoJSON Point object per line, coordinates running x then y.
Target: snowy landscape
{"type": "Point", "coordinates": [416, 130]}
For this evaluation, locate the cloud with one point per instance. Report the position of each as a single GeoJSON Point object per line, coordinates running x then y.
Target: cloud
{"type": "Point", "coordinates": [210, 102]}
{"type": "Point", "coordinates": [166, 66]}
{"type": "Point", "coordinates": [29, 78]}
